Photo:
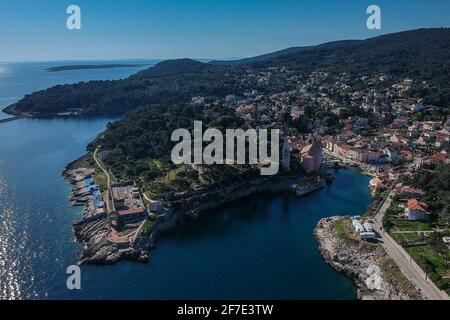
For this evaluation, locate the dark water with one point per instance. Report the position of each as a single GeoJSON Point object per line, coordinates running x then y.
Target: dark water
{"type": "Point", "coordinates": [260, 247]}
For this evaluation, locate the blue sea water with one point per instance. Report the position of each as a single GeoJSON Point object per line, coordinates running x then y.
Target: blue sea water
{"type": "Point", "coordinates": [261, 247]}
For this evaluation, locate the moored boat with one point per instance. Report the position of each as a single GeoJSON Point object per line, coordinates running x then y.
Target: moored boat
{"type": "Point", "coordinates": [308, 186]}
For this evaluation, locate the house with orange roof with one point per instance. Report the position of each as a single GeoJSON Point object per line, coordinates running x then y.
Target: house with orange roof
{"type": "Point", "coordinates": [416, 210]}
{"type": "Point", "coordinates": [410, 192]}
{"type": "Point", "coordinates": [439, 157]}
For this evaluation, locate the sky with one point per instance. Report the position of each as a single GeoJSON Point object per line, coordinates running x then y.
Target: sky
{"type": "Point", "coordinates": [33, 30]}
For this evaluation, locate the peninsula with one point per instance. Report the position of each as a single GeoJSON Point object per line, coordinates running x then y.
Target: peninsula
{"type": "Point", "coordinates": [92, 66]}
{"type": "Point", "coordinates": [381, 104]}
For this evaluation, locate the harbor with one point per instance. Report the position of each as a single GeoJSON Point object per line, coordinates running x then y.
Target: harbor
{"type": "Point", "coordinates": [36, 211]}
{"type": "Point", "coordinates": [258, 222]}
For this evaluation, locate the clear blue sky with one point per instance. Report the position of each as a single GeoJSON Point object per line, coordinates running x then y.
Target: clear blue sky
{"type": "Point", "coordinates": [116, 29]}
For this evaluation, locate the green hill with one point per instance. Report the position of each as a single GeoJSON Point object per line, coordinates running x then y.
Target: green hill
{"type": "Point", "coordinates": [422, 54]}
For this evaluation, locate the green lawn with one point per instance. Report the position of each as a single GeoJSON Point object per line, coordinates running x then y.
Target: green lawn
{"type": "Point", "coordinates": [435, 264]}
{"type": "Point", "coordinates": [344, 229]}
{"type": "Point", "coordinates": [100, 179]}
{"type": "Point", "coordinates": [397, 224]}
{"type": "Point", "coordinates": [148, 224]}
{"type": "Point", "coordinates": [339, 227]}
{"type": "Point", "coordinates": [404, 238]}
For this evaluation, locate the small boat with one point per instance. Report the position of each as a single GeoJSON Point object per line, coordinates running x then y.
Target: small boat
{"type": "Point", "coordinates": [308, 187]}
{"type": "Point", "coordinates": [329, 178]}
{"type": "Point", "coordinates": [77, 203]}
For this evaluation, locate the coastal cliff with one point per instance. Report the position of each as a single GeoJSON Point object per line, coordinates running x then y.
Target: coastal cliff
{"type": "Point", "coordinates": [194, 204]}
{"type": "Point", "coordinates": [97, 249]}
{"type": "Point", "coordinates": [92, 234]}
{"type": "Point", "coordinates": [372, 271]}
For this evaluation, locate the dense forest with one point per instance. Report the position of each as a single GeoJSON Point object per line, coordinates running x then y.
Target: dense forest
{"type": "Point", "coordinates": [169, 82]}
{"type": "Point", "coordinates": [91, 66]}
{"type": "Point", "coordinates": [422, 54]}
{"type": "Point", "coordinates": [140, 142]}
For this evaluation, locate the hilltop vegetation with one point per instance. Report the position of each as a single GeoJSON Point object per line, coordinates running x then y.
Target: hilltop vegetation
{"type": "Point", "coordinates": [140, 147]}
{"type": "Point", "coordinates": [168, 83]}
{"type": "Point", "coordinates": [420, 54]}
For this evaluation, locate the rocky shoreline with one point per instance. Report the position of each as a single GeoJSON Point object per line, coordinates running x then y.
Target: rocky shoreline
{"type": "Point", "coordinates": [374, 274]}
{"type": "Point", "coordinates": [92, 235]}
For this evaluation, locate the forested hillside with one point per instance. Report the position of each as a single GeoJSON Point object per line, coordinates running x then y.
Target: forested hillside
{"type": "Point", "coordinates": [422, 54]}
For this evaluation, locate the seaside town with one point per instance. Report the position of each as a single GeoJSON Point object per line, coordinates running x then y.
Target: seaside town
{"type": "Point", "coordinates": [384, 127]}
{"type": "Point", "coordinates": [194, 152]}
{"type": "Point", "coordinates": [328, 122]}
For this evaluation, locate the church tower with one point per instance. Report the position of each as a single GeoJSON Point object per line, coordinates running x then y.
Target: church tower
{"type": "Point", "coordinates": [286, 155]}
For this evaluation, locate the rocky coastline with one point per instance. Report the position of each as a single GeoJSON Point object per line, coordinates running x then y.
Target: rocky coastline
{"type": "Point", "coordinates": [373, 273]}
{"type": "Point", "coordinates": [92, 234]}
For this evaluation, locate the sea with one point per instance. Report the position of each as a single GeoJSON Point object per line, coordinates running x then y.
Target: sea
{"type": "Point", "coordinates": [260, 247]}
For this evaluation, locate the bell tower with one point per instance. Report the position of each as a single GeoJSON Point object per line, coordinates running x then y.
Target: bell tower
{"type": "Point", "coordinates": [286, 155]}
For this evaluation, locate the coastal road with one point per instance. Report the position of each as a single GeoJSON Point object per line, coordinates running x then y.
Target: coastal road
{"type": "Point", "coordinates": [404, 261]}
{"type": "Point", "coordinates": [109, 203]}
{"type": "Point", "coordinates": [97, 161]}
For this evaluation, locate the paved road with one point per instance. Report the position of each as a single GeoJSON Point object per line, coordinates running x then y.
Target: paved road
{"type": "Point", "coordinates": [411, 270]}
{"type": "Point", "coordinates": [108, 179]}
{"type": "Point", "coordinates": [419, 231]}
{"type": "Point", "coordinates": [109, 202]}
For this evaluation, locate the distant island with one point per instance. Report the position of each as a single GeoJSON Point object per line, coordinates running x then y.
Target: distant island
{"type": "Point", "coordinates": [176, 82]}
{"type": "Point", "coordinates": [381, 104]}
{"type": "Point", "coordinates": [92, 66]}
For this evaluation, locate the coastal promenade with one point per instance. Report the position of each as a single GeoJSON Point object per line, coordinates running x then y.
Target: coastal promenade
{"type": "Point", "coordinates": [403, 260]}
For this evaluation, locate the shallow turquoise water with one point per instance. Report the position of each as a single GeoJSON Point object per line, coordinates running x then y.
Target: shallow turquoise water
{"type": "Point", "coordinates": [259, 247]}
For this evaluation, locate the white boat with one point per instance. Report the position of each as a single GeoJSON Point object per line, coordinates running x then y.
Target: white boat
{"type": "Point", "coordinates": [308, 187]}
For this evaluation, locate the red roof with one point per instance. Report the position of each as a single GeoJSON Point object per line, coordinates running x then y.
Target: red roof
{"type": "Point", "coordinates": [313, 149]}
{"type": "Point", "coordinates": [408, 189]}
{"type": "Point", "coordinates": [382, 175]}
{"type": "Point", "coordinates": [439, 157]}
{"type": "Point", "coordinates": [415, 205]}
{"type": "Point", "coordinates": [130, 212]}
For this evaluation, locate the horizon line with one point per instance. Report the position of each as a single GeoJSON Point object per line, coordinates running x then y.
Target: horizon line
{"type": "Point", "coordinates": [225, 59]}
